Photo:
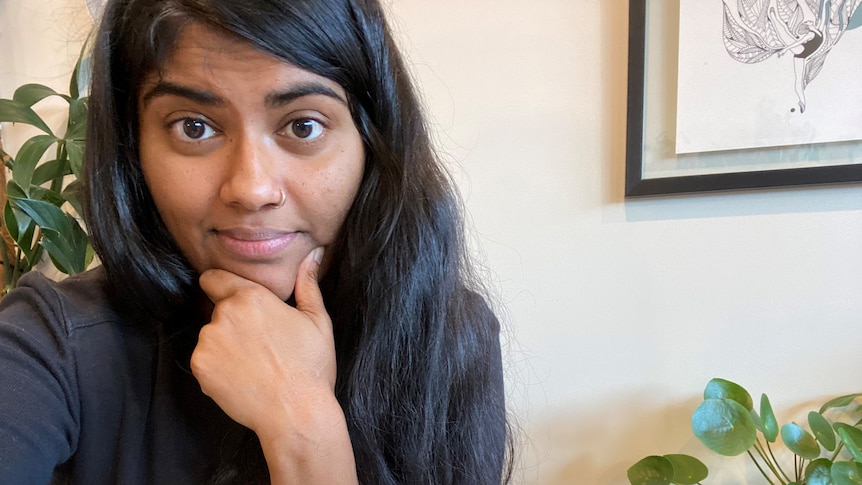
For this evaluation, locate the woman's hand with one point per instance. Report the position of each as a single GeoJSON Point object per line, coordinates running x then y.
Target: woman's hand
{"type": "Point", "coordinates": [271, 368]}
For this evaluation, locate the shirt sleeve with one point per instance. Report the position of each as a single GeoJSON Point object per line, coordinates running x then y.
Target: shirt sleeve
{"type": "Point", "coordinates": [38, 420]}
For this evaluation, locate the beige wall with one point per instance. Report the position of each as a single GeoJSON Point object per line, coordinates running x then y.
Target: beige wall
{"type": "Point", "coordinates": [620, 312]}
{"type": "Point", "coordinates": [617, 312]}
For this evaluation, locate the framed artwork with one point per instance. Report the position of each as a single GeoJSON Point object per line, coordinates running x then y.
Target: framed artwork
{"type": "Point", "coordinates": [742, 94]}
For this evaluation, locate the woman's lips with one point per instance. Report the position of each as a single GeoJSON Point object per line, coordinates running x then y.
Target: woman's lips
{"type": "Point", "coordinates": [254, 243]}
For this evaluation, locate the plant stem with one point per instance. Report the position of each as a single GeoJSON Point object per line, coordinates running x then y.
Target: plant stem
{"type": "Point", "coordinates": [57, 183]}
{"type": "Point", "coordinates": [759, 448]}
{"type": "Point", "coordinates": [768, 447]}
{"type": "Point", "coordinates": [837, 450]}
{"type": "Point", "coordinates": [16, 269]}
{"type": "Point", "coordinates": [761, 469]}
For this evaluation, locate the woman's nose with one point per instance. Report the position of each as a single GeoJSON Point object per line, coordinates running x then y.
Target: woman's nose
{"type": "Point", "coordinates": [252, 178]}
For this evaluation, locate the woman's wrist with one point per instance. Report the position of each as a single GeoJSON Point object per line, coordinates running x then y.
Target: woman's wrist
{"type": "Point", "coordinates": [309, 443]}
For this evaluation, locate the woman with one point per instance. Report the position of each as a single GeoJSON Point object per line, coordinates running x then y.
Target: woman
{"type": "Point", "coordinates": [284, 293]}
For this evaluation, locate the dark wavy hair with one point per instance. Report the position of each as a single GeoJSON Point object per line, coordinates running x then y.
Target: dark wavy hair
{"type": "Point", "coordinates": [419, 366]}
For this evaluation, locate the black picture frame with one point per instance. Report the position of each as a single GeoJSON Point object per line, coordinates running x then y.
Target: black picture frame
{"type": "Point", "coordinates": [636, 185]}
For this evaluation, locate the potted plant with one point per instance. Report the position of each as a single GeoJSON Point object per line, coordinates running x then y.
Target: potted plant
{"type": "Point", "coordinates": [39, 188]}
{"type": "Point", "coordinates": [727, 423]}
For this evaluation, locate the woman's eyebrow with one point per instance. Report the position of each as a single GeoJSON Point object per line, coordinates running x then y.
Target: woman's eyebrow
{"type": "Point", "coordinates": [166, 88]}
{"type": "Point", "coordinates": [277, 99]}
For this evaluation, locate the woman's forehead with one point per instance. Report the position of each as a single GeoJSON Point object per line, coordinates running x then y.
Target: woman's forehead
{"type": "Point", "coordinates": [209, 40]}
{"type": "Point", "coordinates": [203, 58]}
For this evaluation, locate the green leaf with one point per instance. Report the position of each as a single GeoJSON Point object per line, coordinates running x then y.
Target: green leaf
{"type": "Point", "coordinates": [91, 254]}
{"type": "Point", "coordinates": [852, 439]}
{"type": "Point", "coordinates": [28, 157]}
{"type": "Point", "coordinates": [17, 223]}
{"type": "Point", "coordinates": [50, 170]}
{"type": "Point", "coordinates": [822, 430]}
{"type": "Point", "coordinates": [819, 472]}
{"type": "Point", "coordinates": [724, 426]}
{"type": "Point", "coordinates": [652, 470]}
{"type": "Point", "coordinates": [724, 389]}
{"type": "Point", "coordinates": [767, 416]}
{"type": "Point", "coordinates": [75, 151]}
{"type": "Point", "coordinates": [846, 473]}
{"type": "Point", "coordinates": [11, 221]}
{"type": "Point", "coordinates": [14, 190]}
{"type": "Point", "coordinates": [59, 259]}
{"type": "Point", "coordinates": [22, 221]}
{"type": "Point", "coordinates": [30, 94]}
{"type": "Point", "coordinates": [800, 441]}
{"type": "Point", "coordinates": [63, 237]}
{"type": "Point", "coordinates": [74, 88]}
{"type": "Point", "coordinates": [687, 470]}
{"type": "Point", "coordinates": [81, 74]}
{"type": "Point", "coordinates": [15, 112]}
{"type": "Point", "coordinates": [72, 195]}
{"type": "Point", "coordinates": [47, 195]}
{"type": "Point", "coordinates": [76, 128]}
{"type": "Point", "coordinates": [70, 258]}
{"type": "Point", "coordinates": [24, 230]}
{"type": "Point", "coordinates": [48, 216]}
{"type": "Point", "coordinates": [839, 402]}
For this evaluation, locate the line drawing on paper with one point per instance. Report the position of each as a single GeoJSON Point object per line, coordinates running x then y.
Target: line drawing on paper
{"type": "Point", "coordinates": [806, 30]}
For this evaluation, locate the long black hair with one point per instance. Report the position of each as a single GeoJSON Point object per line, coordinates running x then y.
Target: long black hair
{"type": "Point", "coordinates": [419, 368]}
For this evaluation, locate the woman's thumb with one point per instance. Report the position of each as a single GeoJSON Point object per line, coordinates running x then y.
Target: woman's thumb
{"type": "Point", "coordinates": [306, 290]}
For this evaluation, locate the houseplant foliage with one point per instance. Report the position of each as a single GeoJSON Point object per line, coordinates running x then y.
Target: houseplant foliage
{"type": "Point", "coordinates": [40, 202]}
{"type": "Point", "coordinates": [828, 452]}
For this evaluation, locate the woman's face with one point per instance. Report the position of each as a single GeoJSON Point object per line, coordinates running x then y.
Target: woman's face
{"type": "Point", "coordinates": [252, 162]}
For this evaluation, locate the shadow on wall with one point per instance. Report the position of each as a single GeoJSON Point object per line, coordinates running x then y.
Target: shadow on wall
{"type": "Point", "coordinates": [596, 444]}
{"type": "Point", "coordinates": [834, 198]}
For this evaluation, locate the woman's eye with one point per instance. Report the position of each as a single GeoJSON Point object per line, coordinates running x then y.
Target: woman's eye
{"type": "Point", "coordinates": [193, 129]}
{"type": "Point", "coordinates": [305, 129]}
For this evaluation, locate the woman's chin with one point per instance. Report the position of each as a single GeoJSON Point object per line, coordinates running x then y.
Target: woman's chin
{"type": "Point", "coordinates": [282, 286]}
{"type": "Point", "coordinates": [280, 282]}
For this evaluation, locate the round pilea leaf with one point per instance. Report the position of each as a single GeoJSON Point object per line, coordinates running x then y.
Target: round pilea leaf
{"type": "Point", "coordinates": [652, 470]}
{"type": "Point", "coordinates": [723, 389]}
{"type": "Point", "coordinates": [822, 430]}
{"type": "Point", "coordinates": [767, 417]}
{"type": "Point", "coordinates": [687, 470]}
{"type": "Point", "coordinates": [852, 438]}
{"type": "Point", "coordinates": [800, 441]}
{"type": "Point", "coordinates": [846, 473]}
{"type": "Point", "coordinates": [724, 426]}
{"type": "Point", "coordinates": [819, 472]}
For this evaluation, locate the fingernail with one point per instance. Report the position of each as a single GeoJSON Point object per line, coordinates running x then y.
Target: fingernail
{"type": "Point", "coordinates": [317, 255]}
